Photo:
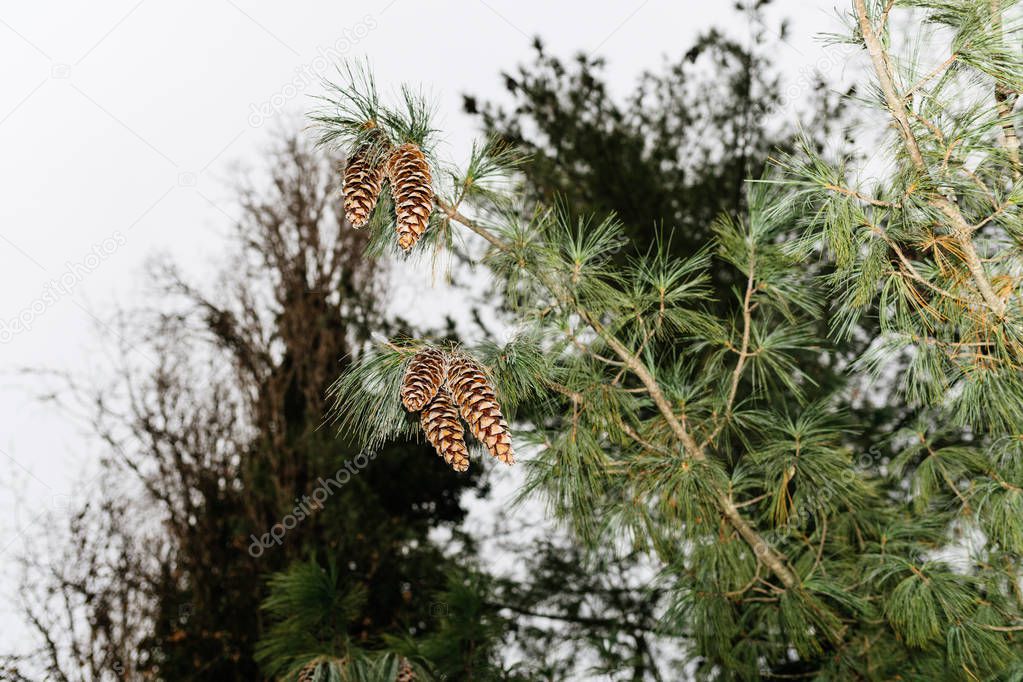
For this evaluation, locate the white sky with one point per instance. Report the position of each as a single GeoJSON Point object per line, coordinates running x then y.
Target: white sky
{"type": "Point", "coordinates": [120, 121]}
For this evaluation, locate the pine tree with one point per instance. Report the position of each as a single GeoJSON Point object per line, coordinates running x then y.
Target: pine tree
{"type": "Point", "coordinates": [310, 609]}
{"type": "Point", "coordinates": [788, 551]}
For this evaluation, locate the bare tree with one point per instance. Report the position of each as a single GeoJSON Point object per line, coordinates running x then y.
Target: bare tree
{"type": "Point", "coordinates": [211, 443]}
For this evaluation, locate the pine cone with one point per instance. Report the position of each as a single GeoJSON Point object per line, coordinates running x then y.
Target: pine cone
{"type": "Point", "coordinates": [308, 673]}
{"type": "Point", "coordinates": [478, 404]}
{"type": "Point", "coordinates": [423, 377]}
{"type": "Point", "coordinates": [321, 669]}
{"type": "Point", "coordinates": [405, 672]}
{"type": "Point", "coordinates": [361, 186]}
{"type": "Point", "coordinates": [444, 430]}
{"type": "Point", "coordinates": [409, 174]}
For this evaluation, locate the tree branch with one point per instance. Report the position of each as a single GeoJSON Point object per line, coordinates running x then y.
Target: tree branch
{"type": "Point", "coordinates": [1005, 99]}
{"type": "Point", "coordinates": [764, 552]}
{"type": "Point", "coordinates": [740, 364]}
{"type": "Point", "coordinates": [911, 271]}
{"type": "Point", "coordinates": [960, 228]}
{"type": "Point", "coordinates": [580, 620]}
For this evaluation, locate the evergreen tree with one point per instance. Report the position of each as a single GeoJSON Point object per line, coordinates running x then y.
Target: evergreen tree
{"type": "Point", "coordinates": [678, 149]}
{"type": "Point", "coordinates": [683, 142]}
{"type": "Point", "coordinates": [786, 549]}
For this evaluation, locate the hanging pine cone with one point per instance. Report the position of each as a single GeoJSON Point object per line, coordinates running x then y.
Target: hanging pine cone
{"type": "Point", "coordinates": [477, 402]}
{"type": "Point", "coordinates": [308, 672]}
{"type": "Point", "coordinates": [444, 430]}
{"type": "Point", "coordinates": [321, 669]}
{"type": "Point", "coordinates": [423, 377]}
{"type": "Point", "coordinates": [405, 672]}
{"type": "Point", "coordinates": [363, 178]}
{"type": "Point", "coordinates": [409, 174]}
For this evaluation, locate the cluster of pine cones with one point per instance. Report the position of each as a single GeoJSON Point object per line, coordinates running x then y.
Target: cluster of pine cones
{"type": "Point", "coordinates": [408, 173]}
{"type": "Point", "coordinates": [444, 385]}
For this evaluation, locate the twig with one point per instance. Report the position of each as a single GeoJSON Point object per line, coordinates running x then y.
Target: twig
{"type": "Point", "coordinates": [938, 69]}
{"type": "Point", "coordinates": [911, 271]}
{"type": "Point", "coordinates": [453, 213]}
{"type": "Point", "coordinates": [1003, 628]}
{"type": "Point", "coordinates": [862, 197]}
{"type": "Point", "coordinates": [634, 435]}
{"type": "Point", "coordinates": [740, 364]}
{"type": "Point", "coordinates": [820, 549]}
{"type": "Point", "coordinates": [1005, 99]}
{"type": "Point", "coordinates": [745, 588]}
{"type": "Point", "coordinates": [752, 500]}
{"type": "Point", "coordinates": [884, 13]}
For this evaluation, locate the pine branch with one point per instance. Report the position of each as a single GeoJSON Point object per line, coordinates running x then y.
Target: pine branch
{"type": "Point", "coordinates": [744, 354]}
{"type": "Point", "coordinates": [1005, 99]}
{"type": "Point", "coordinates": [612, 623]}
{"type": "Point", "coordinates": [453, 214]}
{"type": "Point", "coordinates": [642, 442]}
{"type": "Point", "coordinates": [931, 74]}
{"type": "Point", "coordinates": [765, 553]}
{"type": "Point", "coordinates": [1003, 628]}
{"type": "Point", "coordinates": [857, 195]}
{"type": "Point", "coordinates": [960, 228]}
{"type": "Point", "coordinates": [911, 271]}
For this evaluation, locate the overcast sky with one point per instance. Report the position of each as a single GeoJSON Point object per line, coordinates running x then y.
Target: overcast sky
{"type": "Point", "coordinates": [120, 122]}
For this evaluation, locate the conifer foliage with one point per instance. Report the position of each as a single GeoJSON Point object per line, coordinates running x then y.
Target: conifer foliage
{"type": "Point", "coordinates": [700, 432]}
{"type": "Point", "coordinates": [309, 611]}
{"type": "Point", "coordinates": [382, 144]}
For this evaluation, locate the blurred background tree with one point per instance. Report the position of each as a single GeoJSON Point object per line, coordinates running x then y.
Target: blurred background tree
{"type": "Point", "coordinates": [677, 150]}
{"type": "Point", "coordinates": [217, 443]}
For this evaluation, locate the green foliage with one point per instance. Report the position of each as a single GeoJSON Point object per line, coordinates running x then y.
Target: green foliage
{"type": "Point", "coordinates": [310, 616]}
{"type": "Point", "coordinates": [810, 421]}
{"type": "Point", "coordinates": [354, 117]}
{"type": "Point", "coordinates": [373, 413]}
{"type": "Point", "coordinates": [466, 643]}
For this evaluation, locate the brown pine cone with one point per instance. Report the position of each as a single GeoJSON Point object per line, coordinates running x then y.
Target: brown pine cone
{"type": "Point", "coordinates": [423, 377]}
{"type": "Point", "coordinates": [308, 673]}
{"type": "Point", "coordinates": [444, 430]}
{"type": "Point", "coordinates": [323, 668]}
{"type": "Point", "coordinates": [409, 174]}
{"type": "Point", "coordinates": [364, 175]}
{"type": "Point", "coordinates": [477, 402]}
{"type": "Point", "coordinates": [405, 672]}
